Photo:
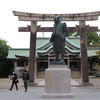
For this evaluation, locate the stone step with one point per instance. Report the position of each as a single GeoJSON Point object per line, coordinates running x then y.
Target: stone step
{"type": "Point", "coordinates": [41, 74]}
{"type": "Point", "coordinates": [75, 74]}
{"type": "Point", "coordinates": [73, 83]}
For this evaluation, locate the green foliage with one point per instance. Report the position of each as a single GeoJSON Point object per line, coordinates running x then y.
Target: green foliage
{"type": "Point", "coordinates": [96, 66]}
{"type": "Point", "coordinates": [3, 49]}
{"type": "Point", "coordinates": [5, 65]}
{"type": "Point", "coordinates": [77, 34]}
{"type": "Point", "coordinates": [6, 68]}
{"type": "Point", "coordinates": [92, 38]}
{"type": "Point", "coordinates": [70, 34]}
{"type": "Point", "coordinates": [98, 53]}
{"type": "Point", "coordinates": [95, 45]}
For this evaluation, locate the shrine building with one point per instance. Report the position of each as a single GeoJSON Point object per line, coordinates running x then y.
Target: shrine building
{"type": "Point", "coordinates": [45, 54]}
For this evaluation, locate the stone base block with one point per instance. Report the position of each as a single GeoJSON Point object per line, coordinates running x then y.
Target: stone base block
{"type": "Point", "coordinates": [52, 95]}
{"type": "Point", "coordinates": [57, 82]}
{"type": "Point", "coordinates": [60, 62]}
{"type": "Point", "coordinates": [86, 84]}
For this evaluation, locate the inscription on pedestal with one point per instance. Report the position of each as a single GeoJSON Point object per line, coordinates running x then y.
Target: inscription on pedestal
{"type": "Point", "coordinates": [48, 80]}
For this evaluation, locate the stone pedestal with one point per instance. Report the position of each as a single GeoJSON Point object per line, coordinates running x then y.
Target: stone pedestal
{"type": "Point", "coordinates": [57, 82]}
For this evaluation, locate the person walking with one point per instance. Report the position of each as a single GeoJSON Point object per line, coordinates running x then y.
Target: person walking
{"type": "Point", "coordinates": [25, 79]}
{"type": "Point", "coordinates": [14, 81]}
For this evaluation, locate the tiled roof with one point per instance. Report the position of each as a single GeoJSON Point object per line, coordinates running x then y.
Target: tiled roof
{"type": "Point", "coordinates": [44, 47]}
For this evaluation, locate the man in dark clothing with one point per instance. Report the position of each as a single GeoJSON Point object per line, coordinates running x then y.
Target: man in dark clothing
{"type": "Point", "coordinates": [26, 79]}
{"type": "Point", "coordinates": [14, 79]}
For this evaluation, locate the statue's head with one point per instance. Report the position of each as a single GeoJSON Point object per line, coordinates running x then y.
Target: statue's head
{"type": "Point", "coordinates": [56, 19]}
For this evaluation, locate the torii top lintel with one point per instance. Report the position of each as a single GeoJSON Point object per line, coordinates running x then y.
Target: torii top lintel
{"type": "Point", "coordinates": [22, 16]}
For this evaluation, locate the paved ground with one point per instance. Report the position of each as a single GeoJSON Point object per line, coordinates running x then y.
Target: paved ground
{"type": "Point", "coordinates": [6, 83]}
{"type": "Point", "coordinates": [35, 93]}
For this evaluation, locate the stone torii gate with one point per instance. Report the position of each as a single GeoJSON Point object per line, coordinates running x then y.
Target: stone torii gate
{"type": "Point", "coordinates": [50, 29]}
{"type": "Point", "coordinates": [81, 17]}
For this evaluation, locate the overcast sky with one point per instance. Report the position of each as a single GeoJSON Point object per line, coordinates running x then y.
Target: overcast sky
{"type": "Point", "coordinates": [9, 23]}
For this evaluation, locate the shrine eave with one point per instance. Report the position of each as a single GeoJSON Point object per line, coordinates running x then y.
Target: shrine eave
{"type": "Point", "coordinates": [50, 49]}
{"type": "Point", "coordinates": [23, 16]}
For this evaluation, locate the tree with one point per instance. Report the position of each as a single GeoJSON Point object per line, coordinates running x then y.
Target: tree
{"type": "Point", "coordinates": [3, 49]}
{"type": "Point", "coordinates": [92, 39]}
{"type": "Point", "coordinates": [5, 65]}
{"type": "Point", "coordinates": [70, 34]}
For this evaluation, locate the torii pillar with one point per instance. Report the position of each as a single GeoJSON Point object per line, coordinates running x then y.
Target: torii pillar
{"type": "Point", "coordinates": [84, 58]}
{"type": "Point", "coordinates": [81, 17]}
{"type": "Point", "coordinates": [32, 57]}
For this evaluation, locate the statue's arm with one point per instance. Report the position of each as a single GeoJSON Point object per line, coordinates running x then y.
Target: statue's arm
{"type": "Point", "coordinates": [52, 37]}
{"type": "Point", "coordinates": [65, 29]}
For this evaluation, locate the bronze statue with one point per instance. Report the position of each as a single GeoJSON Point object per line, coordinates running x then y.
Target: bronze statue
{"type": "Point", "coordinates": [58, 37]}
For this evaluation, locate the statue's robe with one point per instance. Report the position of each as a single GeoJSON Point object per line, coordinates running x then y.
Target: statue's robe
{"type": "Point", "coordinates": [58, 37]}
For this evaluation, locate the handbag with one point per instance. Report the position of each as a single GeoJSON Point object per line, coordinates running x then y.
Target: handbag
{"type": "Point", "coordinates": [17, 81]}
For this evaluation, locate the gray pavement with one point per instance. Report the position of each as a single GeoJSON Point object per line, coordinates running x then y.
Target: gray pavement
{"type": "Point", "coordinates": [35, 93]}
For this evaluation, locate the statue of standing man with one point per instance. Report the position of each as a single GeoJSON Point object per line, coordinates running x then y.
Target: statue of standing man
{"type": "Point", "coordinates": [58, 38]}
